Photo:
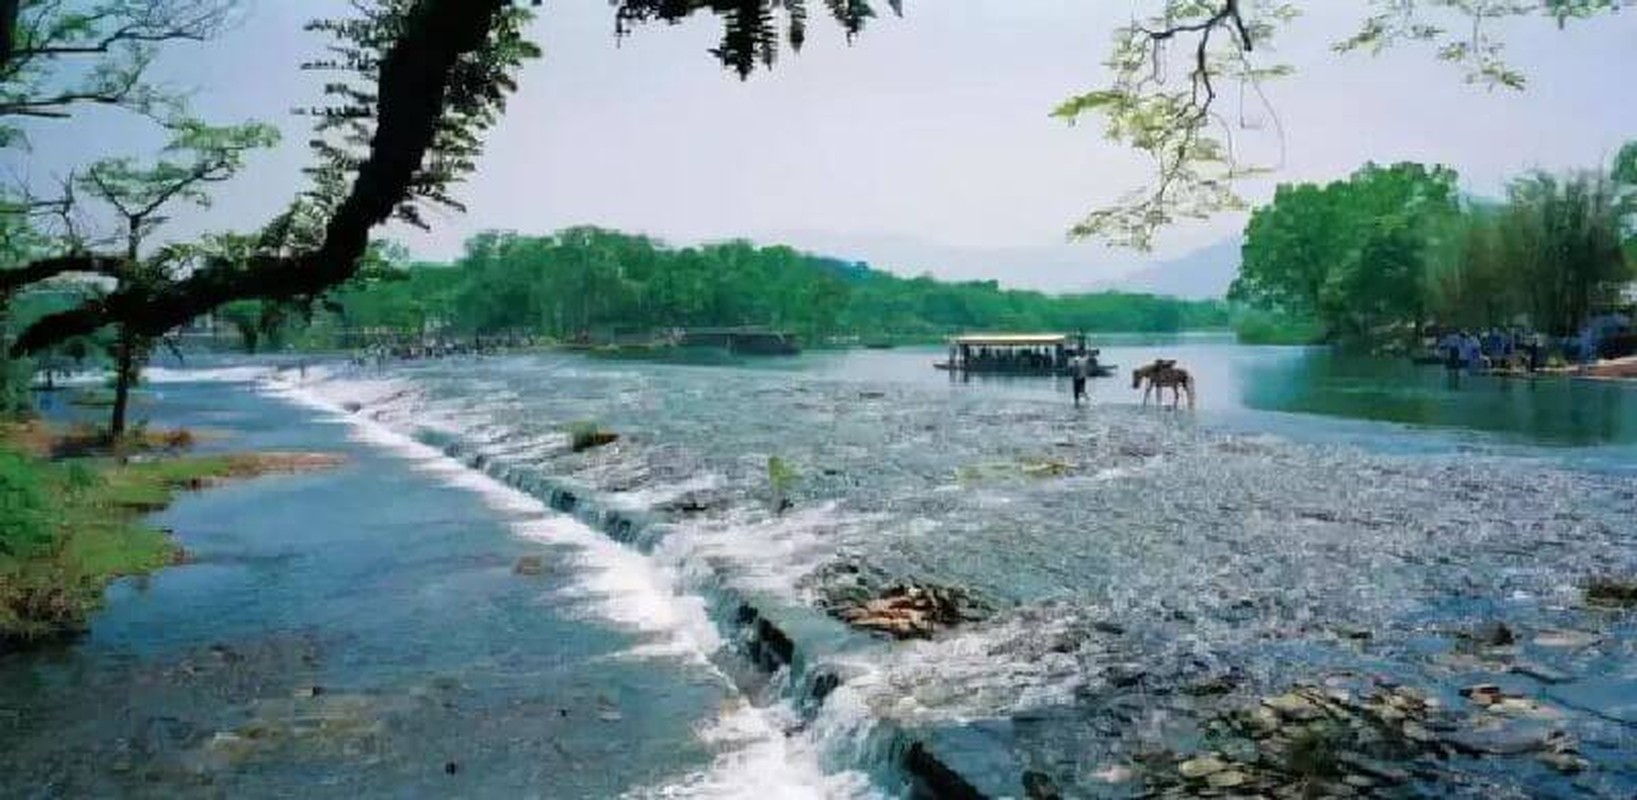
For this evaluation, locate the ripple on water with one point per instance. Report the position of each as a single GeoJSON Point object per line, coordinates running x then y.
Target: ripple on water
{"type": "Point", "coordinates": [1131, 552]}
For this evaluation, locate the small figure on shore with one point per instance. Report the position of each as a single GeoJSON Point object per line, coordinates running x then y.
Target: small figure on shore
{"type": "Point", "coordinates": [1079, 372]}
{"type": "Point", "coordinates": [1160, 375]}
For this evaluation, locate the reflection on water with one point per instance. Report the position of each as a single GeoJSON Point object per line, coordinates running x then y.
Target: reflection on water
{"type": "Point", "coordinates": [1327, 387]}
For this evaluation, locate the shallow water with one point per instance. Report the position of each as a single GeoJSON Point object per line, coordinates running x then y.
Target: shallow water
{"type": "Point", "coordinates": [1315, 517]}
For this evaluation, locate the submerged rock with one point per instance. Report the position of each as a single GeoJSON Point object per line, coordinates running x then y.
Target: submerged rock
{"type": "Point", "coordinates": [1612, 592]}
{"type": "Point", "coordinates": [529, 565]}
{"type": "Point", "coordinates": [1039, 786]}
{"type": "Point", "coordinates": [587, 436]}
{"type": "Point", "coordinates": [1204, 766]}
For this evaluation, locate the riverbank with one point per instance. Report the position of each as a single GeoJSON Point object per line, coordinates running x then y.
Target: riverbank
{"type": "Point", "coordinates": [71, 526]}
{"type": "Point", "coordinates": [397, 626]}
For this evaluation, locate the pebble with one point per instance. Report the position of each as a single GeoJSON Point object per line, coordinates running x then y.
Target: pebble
{"type": "Point", "coordinates": [1292, 706]}
{"type": "Point", "coordinates": [1196, 768]}
{"type": "Point", "coordinates": [1564, 762]}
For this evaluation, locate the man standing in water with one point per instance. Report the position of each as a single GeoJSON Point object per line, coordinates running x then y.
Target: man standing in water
{"type": "Point", "coordinates": [1079, 371]}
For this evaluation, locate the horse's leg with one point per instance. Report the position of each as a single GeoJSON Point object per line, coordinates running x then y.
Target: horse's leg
{"type": "Point", "coordinates": [1190, 386]}
{"type": "Point", "coordinates": [1176, 395]}
{"type": "Point", "coordinates": [1147, 387]}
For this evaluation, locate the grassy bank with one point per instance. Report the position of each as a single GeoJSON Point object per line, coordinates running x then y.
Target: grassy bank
{"type": "Point", "coordinates": [70, 527]}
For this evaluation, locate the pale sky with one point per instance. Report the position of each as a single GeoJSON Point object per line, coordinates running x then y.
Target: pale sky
{"type": "Point", "coordinates": [924, 146]}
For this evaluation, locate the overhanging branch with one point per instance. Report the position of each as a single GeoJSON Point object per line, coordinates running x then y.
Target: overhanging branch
{"type": "Point", "coordinates": [413, 88]}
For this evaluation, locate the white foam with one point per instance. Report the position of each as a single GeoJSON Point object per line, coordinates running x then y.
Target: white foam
{"type": "Point", "coordinates": [619, 584]}
{"type": "Point", "coordinates": [757, 760]}
{"type": "Point", "coordinates": [241, 374]}
{"type": "Point", "coordinates": [766, 553]}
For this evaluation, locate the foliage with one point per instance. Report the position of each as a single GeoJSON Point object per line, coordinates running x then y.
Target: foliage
{"type": "Point", "coordinates": [1256, 326]}
{"type": "Point", "coordinates": [1175, 117]}
{"type": "Point", "coordinates": [781, 479]}
{"type": "Point", "coordinates": [421, 81]}
{"type": "Point", "coordinates": [1392, 248]}
{"type": "Point", "coordinates": [197, 155]}
{"type": "Point", "coordinates": [604, 282]}
{"type": "Point", "coordinates": [59, 54]}
{"type": "Point", "coordinates": [69, 528]}
{"type": "Point", "coordinates": [25, 528]}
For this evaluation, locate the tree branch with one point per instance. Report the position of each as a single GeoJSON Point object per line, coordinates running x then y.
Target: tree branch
{"type": "Point", "coordinates": [414, 82]}
{"type": "Point", "coordinates": [13, 279]}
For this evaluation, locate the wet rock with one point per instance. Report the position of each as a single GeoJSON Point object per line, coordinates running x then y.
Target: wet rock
{"type": "Point", "coordinates": [450, 767]}
{"type": "Point", "coordinates": [1566, 763]}
{"type": "Point", "coordinates": [907, 613]}
{"type": "Point", "coordinates": [352, 406]}
{"type": "Point", "coordinates": [1227, 779]}
{"type": "Point", "coordinates": [1490, 634]}
{"type": "Point", "coordinates": [307, 691]}
{"type": "Point", "coordinates": [1524, 707]}
{"type": "Point", "coordinates": [1611, 592]}
{"type": "Point", "coordinates": [1484, 694]}
{"type": "Point", "coordinates": [1563, 754]}
{"type": "Point", "coordinates": [1219, 685]}
{"type": "Point", "coordinates": [1202, 767]}
{"type": "Point", "coordinates": [866, 598]}
{"type": "Point", "coordinates": [1293, 706]}
{"type": "Point", "coordinates": [529, 565]}
{"type": "Point", "coordinates": [586, 437]}
{"type": "Point", "coordinates": [694, 502]}
{"type": "Point", "coordinates": [1039, 786]}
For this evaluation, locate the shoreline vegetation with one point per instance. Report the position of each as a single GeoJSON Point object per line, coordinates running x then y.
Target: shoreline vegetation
{"type": "Point", "coordinates": [601, 285]}
{"type": "Point", "coordinates": [71, 517]}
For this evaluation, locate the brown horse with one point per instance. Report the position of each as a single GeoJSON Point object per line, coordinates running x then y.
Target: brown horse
{"type": "Point", "coordinates": [1163, 374]}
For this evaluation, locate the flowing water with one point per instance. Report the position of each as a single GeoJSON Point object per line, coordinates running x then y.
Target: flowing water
{"type": "Point", "coordinates": [1316, 518]}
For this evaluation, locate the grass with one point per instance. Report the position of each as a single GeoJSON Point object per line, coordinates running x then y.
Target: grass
{"type": "Point", "coordinates": [70, 527]}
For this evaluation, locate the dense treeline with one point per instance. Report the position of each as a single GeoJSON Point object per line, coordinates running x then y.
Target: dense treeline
{"type": "Point", "coordinates": [590, 280]}
{"type": "Point", "coordinates": [1391, 249]}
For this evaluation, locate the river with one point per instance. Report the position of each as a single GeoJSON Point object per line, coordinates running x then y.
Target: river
{"type": "Point", "coordinates": [1317, 520]}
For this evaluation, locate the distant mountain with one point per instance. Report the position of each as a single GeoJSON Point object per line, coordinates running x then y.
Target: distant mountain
{"type": "Point", "coordinates": [1204, 273]}
{"type": "Point", "coordinates": [1070, 268]}
{"type": "Point", "coordinates": [1050, 268]}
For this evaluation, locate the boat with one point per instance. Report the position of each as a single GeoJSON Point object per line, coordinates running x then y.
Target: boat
{"type": "Point", "coordinates": [1019, 354]}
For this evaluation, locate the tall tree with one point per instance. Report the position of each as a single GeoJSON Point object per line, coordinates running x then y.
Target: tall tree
{"type": "Point", "coordinates": [142, 197]}
{"type": "Point", "coordinates": [436, 73]}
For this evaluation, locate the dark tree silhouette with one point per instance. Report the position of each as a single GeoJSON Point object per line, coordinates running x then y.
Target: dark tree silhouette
{"type": "Point", "coordinates": [435, 75]}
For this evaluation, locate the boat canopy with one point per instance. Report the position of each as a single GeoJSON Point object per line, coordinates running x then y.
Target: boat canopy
{"type": "Point", "coordinates": [1012, 340]}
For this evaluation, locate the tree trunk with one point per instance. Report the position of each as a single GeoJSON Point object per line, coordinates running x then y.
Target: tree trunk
{"type": "Point", "coordinates": [124, 369]}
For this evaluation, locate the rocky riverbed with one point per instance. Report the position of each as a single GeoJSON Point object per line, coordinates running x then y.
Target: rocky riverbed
{"type": "Point", "coordinates": [1049, 599]}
